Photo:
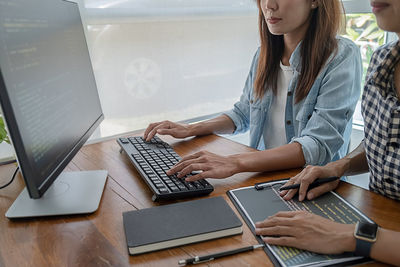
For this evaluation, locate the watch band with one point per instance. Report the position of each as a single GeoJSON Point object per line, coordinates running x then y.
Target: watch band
{"type": "Point", "coordinates": [363, 248]}
{"type": "Point", "coordinates": [365, 234]}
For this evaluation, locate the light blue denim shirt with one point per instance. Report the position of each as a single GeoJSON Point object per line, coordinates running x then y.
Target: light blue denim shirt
{"type": "Point", "coordinates": [322, 121]}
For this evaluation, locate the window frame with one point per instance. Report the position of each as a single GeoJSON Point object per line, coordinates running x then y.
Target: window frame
{"type": "Point", "coordinates": [356, 6]}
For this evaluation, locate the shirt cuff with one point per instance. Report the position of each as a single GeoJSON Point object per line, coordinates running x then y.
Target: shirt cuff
{"type": "Point", "coordinates": [239, 127]}
{"type": "Point", "coordinates": [311, 150]}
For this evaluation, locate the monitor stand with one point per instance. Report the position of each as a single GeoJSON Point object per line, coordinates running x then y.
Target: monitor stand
{"type": "Point", "coordinates": [71, 193]}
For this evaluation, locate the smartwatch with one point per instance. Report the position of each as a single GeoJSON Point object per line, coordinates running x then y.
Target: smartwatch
{"type": "Point", "coordinates": [365, 234]}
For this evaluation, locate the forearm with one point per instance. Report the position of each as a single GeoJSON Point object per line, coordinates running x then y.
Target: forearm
{"type": "Point", "coordinates": [219, 125]}
{"type": "Point", "coordinates": [386, 247]}
{"type": "Point", "coordinates": [283, 157]}
{"type": "Point", "coordinates": [354, 163]}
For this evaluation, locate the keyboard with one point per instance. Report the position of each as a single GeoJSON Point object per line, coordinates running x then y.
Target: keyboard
{"type": "Point", "coordinates": [152, 159]}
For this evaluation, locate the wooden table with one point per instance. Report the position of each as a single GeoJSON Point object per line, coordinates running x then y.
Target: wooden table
{"type": "Point", "coordinates": [98, 239]}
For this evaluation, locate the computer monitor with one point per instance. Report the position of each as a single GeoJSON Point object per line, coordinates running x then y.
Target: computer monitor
{"type": "Point", "coordinates": [50, 103]}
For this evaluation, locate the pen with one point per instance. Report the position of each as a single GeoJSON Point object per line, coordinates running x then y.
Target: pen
{"type": "Point", "coordinates": [210, 257]}
{"type": "Point", "coordinates": [316, 183]}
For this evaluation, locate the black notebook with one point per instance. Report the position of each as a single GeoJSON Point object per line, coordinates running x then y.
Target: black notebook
{"type": "Point", "coordinates": [179, 224]}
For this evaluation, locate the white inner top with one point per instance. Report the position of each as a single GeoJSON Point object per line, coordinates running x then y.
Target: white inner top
{"type": "Point", "coordinates": [275, 134]}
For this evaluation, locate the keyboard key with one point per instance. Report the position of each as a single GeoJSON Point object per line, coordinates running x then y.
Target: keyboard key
{"type": "Point", "coordinates": [203, 182]}
{"type": "Point", "coordinates": [198, 184]}
{"type": "Point", "coordinates": [182, 187]}
{"type": "Point", "coordinates": [148, 171]}
{"type": "Point", "coordinates": [143, 164]}
{"type": "Point", "coordinates": [190, 186]}
{"type": "Point", "coordinates": [155, 180]}
{"type": "Point", "coordinates": [163, 190]}
{"type": "Point", "coordinates": [174, 189]}
{"type": "Point", "coordinates": [159, 185]}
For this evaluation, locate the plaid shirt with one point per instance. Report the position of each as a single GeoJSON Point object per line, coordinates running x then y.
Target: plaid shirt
{"type": "Point", "coordinates": [381, 113]}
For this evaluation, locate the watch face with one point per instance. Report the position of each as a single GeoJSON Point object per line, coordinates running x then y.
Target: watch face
{"type": "Point", "coordinates": [367, 230]}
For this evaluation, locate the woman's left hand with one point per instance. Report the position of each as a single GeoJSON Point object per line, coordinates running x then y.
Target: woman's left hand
{"type": "Point", "coordinates": [211, 166]}
{"type": "Point", "coordinates": [304, 230]}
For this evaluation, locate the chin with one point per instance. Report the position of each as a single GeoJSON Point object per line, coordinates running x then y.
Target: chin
{"type": "Point", "coordinates": [388, 25]}
{"type": "Point", "coordinates": [276, 32]}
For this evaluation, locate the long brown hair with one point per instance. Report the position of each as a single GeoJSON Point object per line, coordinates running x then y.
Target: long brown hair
{"type": "Point", "coordinates": [318, 44]}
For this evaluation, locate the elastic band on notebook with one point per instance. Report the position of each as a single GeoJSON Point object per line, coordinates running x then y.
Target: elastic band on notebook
{"type": "Point", "coordinates": [261, 186]}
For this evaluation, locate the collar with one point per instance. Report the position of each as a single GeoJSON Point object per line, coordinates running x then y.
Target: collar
{"type": "Point", "coordinates": [384, 72]}
{"type": "Point", "coordinates": [295, 58]}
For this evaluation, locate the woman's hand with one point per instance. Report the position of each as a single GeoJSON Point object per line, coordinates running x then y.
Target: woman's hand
{"type": "Point", "coordinates": [304, 230]}
{"type": "Point", "coordinates": [309, 175]}
{"type": "Point", "coordinates": [177, 130]}
{"type": "Point", "coordinates": [211, 166]}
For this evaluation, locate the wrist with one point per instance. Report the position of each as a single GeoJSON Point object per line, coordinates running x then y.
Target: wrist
{"type": "Point", "coordinates": [238, 163]}
{"type": "Point", "coordinates": [349, 241]}
{"type": "Point", "coordinates": [194, 129]}
{"type": "Point", "coordinates": [200, 128]}
{"type": "Point", "coordinates": [339, 167]}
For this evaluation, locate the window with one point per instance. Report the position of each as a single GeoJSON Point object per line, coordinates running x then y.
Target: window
{"type": "Point", "coordinates": [364, 31]}
{"type": "Point", "coordinates": [362, 28]}
{"type": "Point", "coordinates": [172, 59]}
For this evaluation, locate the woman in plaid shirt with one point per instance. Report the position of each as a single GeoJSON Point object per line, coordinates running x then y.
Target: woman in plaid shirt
{"type": "Point", "coordinates": [379, 153]}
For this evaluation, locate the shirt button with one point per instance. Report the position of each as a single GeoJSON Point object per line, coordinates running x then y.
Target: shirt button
{"type": "Point", "coordinates": [289, 93]}
{"type": "Point", "coordinates": [288, 122]}
{"type": "Point", "coordinates": [251, 101]}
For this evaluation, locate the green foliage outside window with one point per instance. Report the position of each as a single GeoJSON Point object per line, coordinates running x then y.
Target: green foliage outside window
{"type": "Point", "coordinates": [364, 31]}
{"type": "Point", "coordinates": [3, 133]}
{"type": "Point", "coordinates": [363, 27]}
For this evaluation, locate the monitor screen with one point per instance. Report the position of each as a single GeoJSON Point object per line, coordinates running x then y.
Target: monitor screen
{"type": "Point", "coordinates": [47, 87]}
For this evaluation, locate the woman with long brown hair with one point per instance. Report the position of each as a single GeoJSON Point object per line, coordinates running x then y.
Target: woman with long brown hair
{"type": "Point", "coordinates": [298, 99]}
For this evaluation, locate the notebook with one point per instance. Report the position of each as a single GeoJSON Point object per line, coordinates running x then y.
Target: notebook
{"type": "Point", "coordinates": [178, 224]}
{"type": "Point", "coordinates": [256, 203]}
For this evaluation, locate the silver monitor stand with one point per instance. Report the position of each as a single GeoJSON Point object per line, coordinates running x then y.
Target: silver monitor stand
{"type": "Point", "coordinates": [71, 193]}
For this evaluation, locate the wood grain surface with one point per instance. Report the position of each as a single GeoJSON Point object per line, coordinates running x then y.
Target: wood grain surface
{"type": "Point", "coordinates": [98, 239]}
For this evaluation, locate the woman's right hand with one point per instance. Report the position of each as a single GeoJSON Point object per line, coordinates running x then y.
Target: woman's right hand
{"type": "Point", "coordinates": [309, 175]}
{"type": "Point", "coordinates": [177, 130]}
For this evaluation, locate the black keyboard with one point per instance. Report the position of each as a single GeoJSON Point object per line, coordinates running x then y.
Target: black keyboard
{"type": "Point", "coordinates": [152, 159]}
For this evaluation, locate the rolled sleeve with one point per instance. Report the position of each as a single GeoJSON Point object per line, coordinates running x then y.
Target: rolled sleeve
{"type": "Point", "coordinates": [339, 92]}
{"type": "Point", "coordinates": [310, 147]}
{"type": "Point", "coordinates": [240, 116]}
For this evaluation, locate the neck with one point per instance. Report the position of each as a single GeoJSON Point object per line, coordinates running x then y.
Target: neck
{"type": "Point", "coordinates": [397, 75]}
{"type": "Point", "coordinates": [291, 40]}
{"type": "Point", "coordinates": [397, 79]}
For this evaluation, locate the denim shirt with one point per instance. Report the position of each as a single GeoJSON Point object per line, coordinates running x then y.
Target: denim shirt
{"type": "Point", "coordinates": [322, 121]}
